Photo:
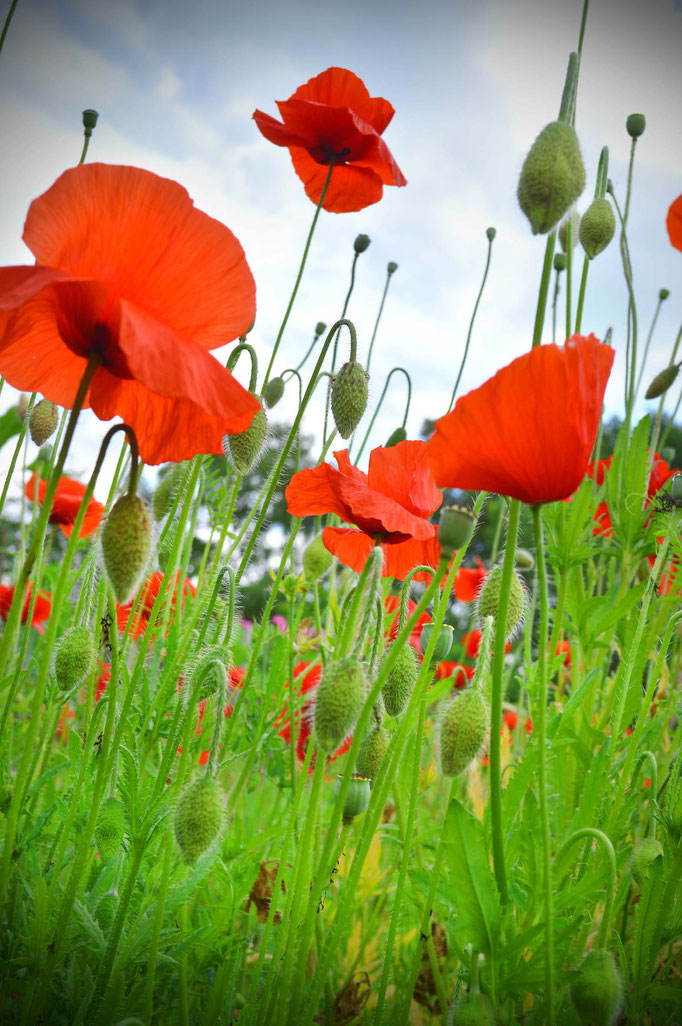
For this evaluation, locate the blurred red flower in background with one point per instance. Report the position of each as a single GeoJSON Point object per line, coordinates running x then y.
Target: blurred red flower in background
{"type": "Point", "coordinates": [673, 222]}
{"type": "Point", "coordinates": [469, 581]}
{"type": "Point", "coordinates": [129, 272]}
{"type": "Point", "coordinates": [460, 673]}
{"type": "Point", "coordinates": [67, 501]}
{"type": "Point", "coordinates": [333, 117]}
{"type": "Point", "coordinates": [306, 680]}
{"type": "Point", "coordinates": [149, 593]}
{"type": "Point", "coordinates": [41, 610]}
{"type": "Point", "coordinates": [392, 604]}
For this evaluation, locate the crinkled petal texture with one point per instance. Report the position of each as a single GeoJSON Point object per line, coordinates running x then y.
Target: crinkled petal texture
{"type": "Point", "coordinates": [130, 272]}
{"type": "Point", "coordinates": [333, 117]}
{"type": "Point", "coordinates": [528, 432]}
{"type": "Point", "coordinates": [673, 223]}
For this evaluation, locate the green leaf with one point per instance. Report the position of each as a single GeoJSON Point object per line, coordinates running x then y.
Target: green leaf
{"type": "Point", "coordinates": [478, 905]}
{"type": "Point", "coordinates": [10, 425]}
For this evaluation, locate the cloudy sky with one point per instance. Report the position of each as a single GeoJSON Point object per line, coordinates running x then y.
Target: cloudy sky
{"type": "Point", "coordinates": [472, 85]}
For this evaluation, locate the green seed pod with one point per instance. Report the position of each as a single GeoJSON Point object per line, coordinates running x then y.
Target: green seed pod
{"type": "Point", "coordinates": [400, 681]}
{"type": "Point", "coordinates": [463, 731]}
{"type": "Point", "coordinates": [198, 818]}
{"type": "Point", "coordinates": [472, 1010]}
{"type": "Point", "coordinates": [490, 233]}
{"type": "Point", "coordinates": [273, 392]}
{"type": "Point", "coordinates": [106, 910]}
{"type": "Point", "coordinates": [361, 243]}
{"type": "Point", "coordinates": [320, 328]}
{"type": "Point", "coordinates": [676, 486]}
{"type": "Point", "coordinates": [597, 227]}
{"type": "Point", "coordinates": [372, 752]}
{"type": "Point", "coordinates": [446, 636]}
{"type": "Point", "coordinates": [454, 528]}
{"type": "Point", "coordinates": [391, 267]}
{"type": "Point", "coordinates": [597, 990]}
{"type": "Point", "coordinates": [357, 798]}
{"type": "Point", "coordinates": [74, 657]}
{"type": "Point", "coordinates": [559, 262]}
{"type": "Point", "coordinates": [635, 125]}
{"type": "Point", "coordinates": [245, 447]}
{"type": "Point", "coordinates": [43, 421]}
{"type": "Point", "coordinates": [489, 599]}
{"type": "Point", "coordinates": [644, 855]}
{"type": "Point", "coordinates": [399, 435]}
{"type": "Point", "coordinates": [340, 696]}
{"type": "Point", "coordinates": [663, 294]}
{"type": "Point", "coordinates": [552, 176]}
{"type": "Point", "coordinates": [524, 559]}
{"type": "Point", "coordinates": [349, 397]}
{"type": "Point", "coordinates": [208, 672]}
{"type": "Point", "coordinates": [89, 120]}
{"type": "Point", "coordinates": [126, 541]}
{"type": "Point", "coordinates": [662, 382]}
{"type": "Point", "coordinates": [317, 559]}
{"type": "Point", "coordinates": [111, 827]}
{"type": "Point", "coordinates": [574, 221]}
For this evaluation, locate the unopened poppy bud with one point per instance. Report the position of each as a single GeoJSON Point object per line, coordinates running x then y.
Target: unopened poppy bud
{"type": "Point", "coordinates": [635, 125]}
{"type": "Point", "coordinates": [372, 753]}
{"type": "Point", "coordinates": [361, 243]}
{"type": "Point", "coordinates": [126, 541]}
{"type": "Point", "coordinates": [89, 120]}
{"type": "Point", "coordinates": [597, 227]}
{"type": "Point", "coordinates": [446, 636]}
{"type": "Point", "coordinates": [317, 559]}
{"type": "Point", "coordinates": [357, 798]}
{"type": "Point", "coordinates": [676, 486]}
{"type": "Point", "coordinates": [399, 435]}
{"type": "Point", "coordinates": [489, 599]}
{"type": "Point", "coordinates": [164, 496]}
{"type": "Point", "coordinates": [340, 697]}
{"type": "Point", "coordinates": [400, 681]}
{"type": "Point", "coordinates": [597, 990]}
{"type": "Point", "coordinates": [111, 827]}
{"type": "Point", "coordinates": [320, 328]}
{"type": "Point", "coordinates": [22, 406]}
{"type": "Point", "coordinates": [273, 392]}
{"type": "Point", "coordinates": [663, 294]}
{"type": "Point", "coordinates": [662, 382]}
{"type": "Point", "coordinates": [208, 671]}
{"type": "Point", "coordinates": [391, 267]}
{"type": "Point", "coordinates": [643, 857]}
{"type": "Point", "coordinates": [198, 818]}
{"type": "Point", "coordinates": [559, 262]}
{"type": "Point", "coordinates": [245, 447]}
{"type": "Point", "coordinates": [490, 233]}
{"type": "Point", "coordinates": [42, 422]}
{"type": "Point", "coordinates": [349, 397]}
{"type": "Point", "coordinates": [454, 528]}
{"type": "Point", "coordinates": [552, 176]}
{"type": "Point", "coordinates": [463, 731]}
{"type": "Point", "coordinates": [74, 657]}
{"type": "Point", "coordinates": [472, 1010]}
{"type": "Point", "coordinates": [524, 559]}
{"type": "Point", "coordinates": [106, 910]}
{"type": "Point", "coordinates": [574, 221]}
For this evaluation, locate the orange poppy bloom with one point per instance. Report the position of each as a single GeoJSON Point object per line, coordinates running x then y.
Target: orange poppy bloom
{"type": "Point", "coordinates": [460, 673]}
{"type": "Point", "coordinates": [673, 223]}
{"type": "Point", "coordinates": [150, 591]}
{"type": "Point", "coordinates": [41, 610]}
{"type": "Point", "coordinates": [67, 501]}
{"type": "Point", "coordinates": [127, 270]}
{"type": "Point", "coordinates": [333, 117]}
{"type": "Point", "coordinates": [469, 581]}
{"type": "Point", "coordinates": [389, 506]}
{"type": "Point", "coordinates": [527, 432]}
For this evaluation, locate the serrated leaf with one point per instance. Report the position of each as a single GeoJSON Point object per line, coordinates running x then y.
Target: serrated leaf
{"type": "Point", "coordinates": [478, 904]}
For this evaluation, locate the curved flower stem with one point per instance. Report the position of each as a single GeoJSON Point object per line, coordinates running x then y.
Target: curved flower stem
{"type": "Point", "coordinates": [234, 356]}
{"type": "Point", "coordinates": [5, 27]}
{"type": "Point", "coordinates": [605, 924]}
{"type": "Point", "coordinates": [555, 300]}
{"type": "Point", "coordinates": [542, 761]}
{"type": "Point", "coordinates": [471, 322]}
{"type": "Point", "coordinates": [647, 344]}
{"type": "Point", "coordinates": [299, 275]}
{"type": "Point", "coordinates": [390, 271]}
{"type": "Point", "coordinates": [494, 761]}
{"type": "Point", "coordinates": [569, 274]}
{"type": "Point", "coordinates": [378, 406]}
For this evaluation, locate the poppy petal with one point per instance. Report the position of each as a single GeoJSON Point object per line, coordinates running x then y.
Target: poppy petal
{"type": "Point", "coordinates": [19, 284]}
{"type": "Point", "coordinates": [327, 130]}
{"type": "Point", "coordinates": [402, 557]}
{"type": "Point", "coordinates": [673, 223]}
{"type": "Point", "coordinates": [402, 472]}
{"type": "Point", "coordinates": [342, 457]}
{"type": "Point", "coordinates": [340, 87]}
{"type": "Point", "coordinates": [350, 188]}
{"type": "Point", "coordinates": [313, 491]}
{"type": "Point", "coordinates": [351, 547]}
{"type": "Point", "coordinates": [275, 132]}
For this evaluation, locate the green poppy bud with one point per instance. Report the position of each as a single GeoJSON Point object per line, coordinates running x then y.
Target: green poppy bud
{"type": "Point", "coordinates": [361, 243]}
{"type": "Point", "coordinates": [106, 910]}
{"type": "Point", "coordinates": [552, 176]}
{"type": "Point", "coordinates": [597, 227]}
{"type": "Point", "coordinates": [663, 294]}
{"type": "Point", "coordinates": [597, 990]}
{"type": "Point", "coordinates": [662, 382]}
{"type": "Point", "coordinates": [446, 636]}
{"type": "Point", "coordinates": [559, 262]}
{"type": "Point", "coordinates": [399, 435]}
{"type": "Point", "coordinates": [42, 422]}
{"type": "Point", "coordinates": [273, 392]}
{"type": "Point", "coordinates": [490, 233]}
{"type": "Point", "coordinates": [400, 681]}
{"type": "Point", "coordinates": [320, 328]}
{"type": "Point", "coordinates": [391, 267]}
{"type": "Point", "coordinates": [463, 731]}
{"type": "Point", "coordinates": [635, 125]}
{"type": "Point", "coordinates": [489, 599]}
{"type": "Point", "coordinates": [89, 120]}
{"type": "Point", "coordinates": [126, 541]}
{"type": "Point", "coordinates": [349, 397]}
{"type": "Point", "coordinates": [245, 447]}
{"type": "Point", "coordinates": [164, 496]}
{"type": "Point", "coordinates": [74, 657]}
{"type": "Point", "coordinates": [357, 798]}
{"type": "Point", "coordinates": [207, 670]}
{"type": "Point", "coordinates": [372, 752]}
{"type": "Point", "coordinates": [643, 857]}
{"type": "Point", "coordinates": [198, 818]}
{"type": "Point", "coordinates": [340, 697]}
{"type": "Point", "coordinates": [111, 827]}
{"type": "Point", "coordinates": [454, 528]}
{"type": "Point", "coordinates": [524, 559]}
{"type": "Point", "coordinates": [317, 559]}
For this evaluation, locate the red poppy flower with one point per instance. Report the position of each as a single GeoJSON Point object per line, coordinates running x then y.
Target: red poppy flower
{"type": "Point", "coordinates": [469, 581]}
{"type": "Point", "coordinates": [150, 591]}
{"type": "Point", "coordinates": [659, 476]}
{"type": "Point", "coordinates": [306, 679]}
{"type": "Point", "coordinates": [235, 680]}
{"type": "Point", "coordinates": [41, 610]}
{"type": "Point", "coordinates": [102, 681]}
{"type": "Point", "coordinates": [333, 117]}
{"type": "Point", "coordinates": [388, 505]}
{"type": "Point", "coordinates": [603, 522]}
{"type": "Point", "coordinates": [563, 649]}
{"type": "Point", "coordinates": [472, 643]}
{"type": "Point", "coordinates": [67, 501]}
{"type": "Point", "coordinates": [392, 604]}
{"type": "Point", "coordinates": [460, 673]}
{"type": "Point", "coordinates": [527, 432]}
{"type": "Point", "coordinates": [602, 466]}
{"type": "Point", "coordinates": [129, 271]}
{"type": "Point", "coordinates": [673, 223]}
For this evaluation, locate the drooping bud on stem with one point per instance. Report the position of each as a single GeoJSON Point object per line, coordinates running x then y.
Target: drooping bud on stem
{"type": "Point", "coordinates": [488, 602]}
{"type": "Point", "coordinates": [349, 397]}
{"type": "Point", "coordinates": [400, 681]}
{"type": "Point", "coordinates": [446, 636]}
{"type": "Point", "coordinates": [463, 731]}
{"type": "Point", "coordinates": [317, 559]}
{"type": "Point", "coordinates": [361, 243]}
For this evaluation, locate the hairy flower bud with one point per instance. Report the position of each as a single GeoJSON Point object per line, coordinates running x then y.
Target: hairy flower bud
{"type": "Point", "coordinates": [317, 559]}
{"type": "Point", "coordinates": [106, 910]}
{"type": "Point", "coordinates": [126, 541]}
{"type": "Point", "coordinates": [454, 528]}
{"type": "Point", "coordinates": [245, 447]}
{"type": "Point", "coordinates": [207, 670]}
{"type": "Point", "coordinates": [372, 752]}
{"type": "Point", "coordinates": [42, 422]}
{"type": "Point", "coordinates": [463, 731]}
{"type": "Point", "coordinates": [357, 798]}
{"type": "Point", "coordinates": [164, 496]}
{"type": "Point", "coordinates": [400, 682]}
{"type": "Point", "coordinates": [273, 392]}
{"type": "Point", "coordinates": [597, 227]}
{"type": "Point", "coordinates": [552, 177]}
{"type": "Point", "coordinates": [635, 125]}
{"type": "Point", "coordinates": [399, 435]}
{"type": "Point", "coordinates": [340, 696]}
{"type": "Point", "coordinates": [361, 243]}
{"type": "Point", "coordinates": [111, 827]}
{"type": "Point", "coordinates": [488, 602]}
{"type": "Point", "coordinates": [662, 382]}
{"type": "Point", "coordinates": [349, 397]}
{"type": "Point", "coordinates": [74, 657]}
{"type": "Point", "coordinates": [198, 818]}
{"type": "Point", "coordinates": [597, 990]}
